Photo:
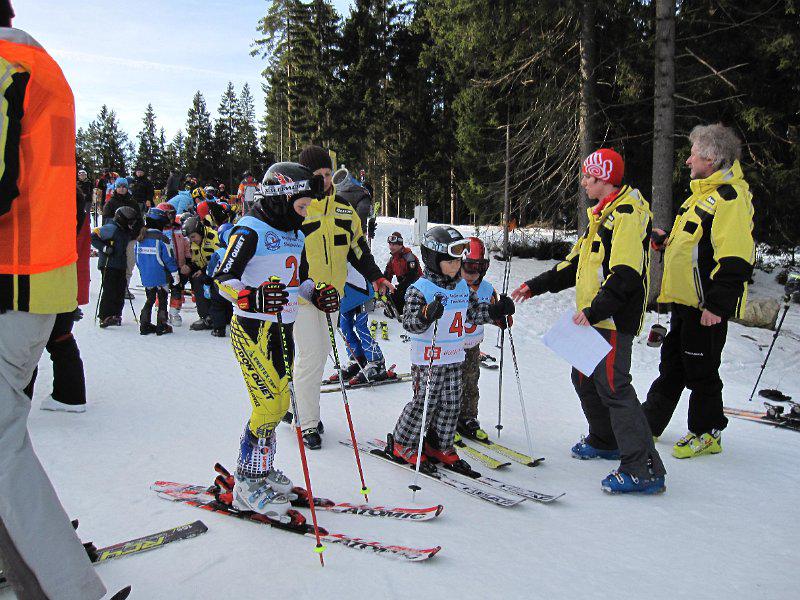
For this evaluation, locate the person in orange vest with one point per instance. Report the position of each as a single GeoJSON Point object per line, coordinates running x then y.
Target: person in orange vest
{"type": "Point", "coordinates": [41, 553]}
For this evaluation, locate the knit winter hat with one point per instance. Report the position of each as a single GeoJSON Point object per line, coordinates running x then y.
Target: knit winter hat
{"type": "Point", "coordinates": [606, 165]}
{"type": "Point", "coordinates": [314, 157]}
{"type": "Point", "coordinates": [120, 181]}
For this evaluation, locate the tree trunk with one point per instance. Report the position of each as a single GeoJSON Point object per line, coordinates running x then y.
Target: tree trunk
{"type": "Point", "coordinates": [663, 131]}
{"type": "Point", "coordinates": [586, 118]}
{"type": "Point", "coordinates": [452, 195]}
{"type": "Point", "coordinates": [506, 201]}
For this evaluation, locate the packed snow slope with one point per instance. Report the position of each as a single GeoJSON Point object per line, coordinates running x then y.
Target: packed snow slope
{"type": "Point", "coordinates": [170, 407]}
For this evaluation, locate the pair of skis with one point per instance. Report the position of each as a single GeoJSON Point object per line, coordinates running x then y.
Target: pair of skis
{"type": "Point", "coordinates": [774, 416]}
{"type": "Point", "coordinates": [498, 493]}
{"type": "Point", "coordinates": [206, 498]}
{"type": "Point", "coordinates": [472, 449]}
{"type": "Point", "coordinates": [138, 545]}
{"type": "Point", "coordinates": [331, 386]}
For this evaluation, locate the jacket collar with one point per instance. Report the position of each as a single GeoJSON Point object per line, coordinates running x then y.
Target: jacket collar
{"type": "Point", "coordinates": [729, 176]}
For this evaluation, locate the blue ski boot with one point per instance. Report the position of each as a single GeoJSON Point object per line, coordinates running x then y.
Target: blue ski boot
{"type": "Point", "coordinates": [584, 451]}
{"type": "Point", "coordinates": [622, 483]}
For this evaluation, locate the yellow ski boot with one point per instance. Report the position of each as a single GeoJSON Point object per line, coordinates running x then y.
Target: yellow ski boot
{"type": "Point", "coordinates": [692, 445]}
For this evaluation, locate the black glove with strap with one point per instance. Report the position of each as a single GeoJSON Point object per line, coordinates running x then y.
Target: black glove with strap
{"type": "Point", "coordinates": [325, 297]}
{"type": "Point", "coordinates": [504, 307]}
{"type": "Point", "coordinates": [371, 225]}
{"type": "Point", "coordinates": [268, 298]}
{"type": "Point", "coordinates": [432, 311]}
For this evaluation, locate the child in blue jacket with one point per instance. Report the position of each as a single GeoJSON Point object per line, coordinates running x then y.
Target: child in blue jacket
{"type": "Point", "coordinates": [111, 241]}
{"type": "Point", "coordinates": [156, 266]}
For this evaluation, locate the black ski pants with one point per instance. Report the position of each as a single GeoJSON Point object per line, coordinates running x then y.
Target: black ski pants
{"type": "Point", "coordinates": [613, 412]}
{"type": "Point", "coordinates": [147, 310]}
{"type": "Point", "coordinates": [219, 309]}
{"type": "Point", "coordinates": [69, 383]}
{"type": "Point", "coordinates": [690, 358]}
{"type": "Point", "coordinates": [112, 300]}
{"type": "Point", "coordinates": [202, 303]}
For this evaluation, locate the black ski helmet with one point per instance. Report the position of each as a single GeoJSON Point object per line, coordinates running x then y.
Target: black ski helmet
{"type": "Point", "coordinates": [128, 218]}
{"type": "Point", "coordinates": [285, 182]}
{"type": "Point", "coordinates": [193, 225]}
{"type": "Point", "coordinates": [442, 243]}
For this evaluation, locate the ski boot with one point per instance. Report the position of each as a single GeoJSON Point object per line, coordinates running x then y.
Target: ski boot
{"type": "Point", "coordinates": [163, 329]}
{"type": "Point", "coordinates": [107, 322]}
{"type": "Point", "coordinates": [407, 455]}
{"type": "Point", "coordinates": [622, 483]}
{"type": "Point", "coordinates": [584, 451]}
{"type": "Point", "coordinates": [175, 318]}
{"type": "Point", "coordinates": [373, 328]}
{"type": "Point", "coordinates": [471, 429]}
{"type": "Point", "coordinates": [146, 328]}
{"type": "Point", "coordinates": [350, 371]}
{"type": "Point", "coordinates": [692, 445]}
{"type": "Point", "coordinates": [384, 330]}
{"type": "Point", "coordinates": [312, 439]}
{"type": "Point", "coordinates": [51, 403]}
{"type": "Point", "coordinates": [373, 371]}
{"type": "Point", "coordinates": [201, 324]}
{"type": "Point", "coordinates": [218, 332]}
{"type": "Point", "coordinates": [450, 459]}
{"type": "Point", "coordinates": [257, 495]}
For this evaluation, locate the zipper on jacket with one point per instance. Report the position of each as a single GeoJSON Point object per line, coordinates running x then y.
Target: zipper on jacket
{"type": "Point", "coordinates": [325, 248]}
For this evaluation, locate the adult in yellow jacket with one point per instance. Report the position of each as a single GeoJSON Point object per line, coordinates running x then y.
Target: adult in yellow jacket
{"type": "Point", "coordinates": [333, 238]}
{"type": "Point", "coordinates": [41, 555]}
{"type": "Point", "coordinates": [609, 267]}
{"type": "Point", "coordinates": [708, 260]}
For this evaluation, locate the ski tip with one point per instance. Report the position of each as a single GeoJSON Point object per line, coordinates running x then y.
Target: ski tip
{"type": "Point", "coordinates": [535, 462]}
{"type": "Point", "coordinates": [439, 510]}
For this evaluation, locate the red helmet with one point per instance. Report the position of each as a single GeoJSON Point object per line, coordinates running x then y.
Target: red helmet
{"type": "Point", "coordinates": [170, 210]}
{"type": "Point", "coordinates": [475, 261]}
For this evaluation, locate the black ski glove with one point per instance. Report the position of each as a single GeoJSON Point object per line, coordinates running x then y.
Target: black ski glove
{"type": "Point", "coordinates": [371, 225]}
{"type": "Point", "coordinates": [270, 298]}
{"type": "Point", "coordinates": [432, 311]}
{"type": "Point", "coordinates": [504, 307]}
{"type": "Point", "coordinates": [325, 298]}
{"type": "Point", "coordinates": [108, 249]}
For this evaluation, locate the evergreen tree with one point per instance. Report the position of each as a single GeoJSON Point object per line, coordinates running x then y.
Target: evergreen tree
{"type": "Point", "coordinates": [199, 140]}
{"type": "Point", "coordinates": [175, 155]}
{"type": "Point", "coordinates": [224, 133]}
{"type": "Point", "coordinates": [247, 156]}
{"type": "Point", "coordinates": [103, 145]}
{"type": "Point", "coordinates": [148, 152]}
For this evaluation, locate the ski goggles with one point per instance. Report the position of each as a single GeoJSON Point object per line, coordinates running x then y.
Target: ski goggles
{"type": "Point", "coordinates": [395, 239]}
{"type": "Point", "coordinates": [457, 249]}
{"type": "Point", "coordinates": [311, 188]}
{"type": "Point", "coordinates": [479, 266]}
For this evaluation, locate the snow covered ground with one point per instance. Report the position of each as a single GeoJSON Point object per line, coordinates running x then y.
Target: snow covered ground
{"type": "Point", "coordinates": [169, 407]}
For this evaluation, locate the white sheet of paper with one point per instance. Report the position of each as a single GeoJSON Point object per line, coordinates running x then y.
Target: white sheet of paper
{"type": "Point", "coordinates": [582, 347]}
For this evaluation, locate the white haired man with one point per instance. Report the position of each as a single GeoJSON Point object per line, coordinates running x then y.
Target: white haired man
{"type": "Point", "coordinates": [708, 260]}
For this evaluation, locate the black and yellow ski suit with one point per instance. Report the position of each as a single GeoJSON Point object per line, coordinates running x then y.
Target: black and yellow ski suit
{"type": "Point", "coordinates": [262, 246]}
{"type": "Point", "coordinates": [609, 267]}
{"type": "Point", "coordinates": [707, 264]}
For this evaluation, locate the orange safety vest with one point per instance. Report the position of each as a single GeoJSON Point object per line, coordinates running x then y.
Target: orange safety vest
{"type": "Point", "coordinates": [37, 159]}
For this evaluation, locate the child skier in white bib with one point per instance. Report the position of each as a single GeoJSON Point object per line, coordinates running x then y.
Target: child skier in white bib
{"type": "Point", "coordinates": [439, 295]}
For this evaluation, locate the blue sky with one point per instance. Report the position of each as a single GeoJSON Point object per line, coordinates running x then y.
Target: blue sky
{"type": "Point", "coordinates": [129, 54]}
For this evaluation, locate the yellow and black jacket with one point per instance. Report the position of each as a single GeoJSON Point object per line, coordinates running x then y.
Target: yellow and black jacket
{"type": "Point", "coordinates": [333, 238]}
{"type": "Point", "coordinates": [37, 180]}
{"type": "Point", "coordinates": [609, 265]}
{"type": "Point", "coordinates": [710, 250]}
{"type": "Point", "coordinates": [202, 253]}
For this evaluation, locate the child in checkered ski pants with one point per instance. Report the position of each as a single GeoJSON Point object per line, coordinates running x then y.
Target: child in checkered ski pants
{"type": "Point", "coordinates": [444, 406]}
